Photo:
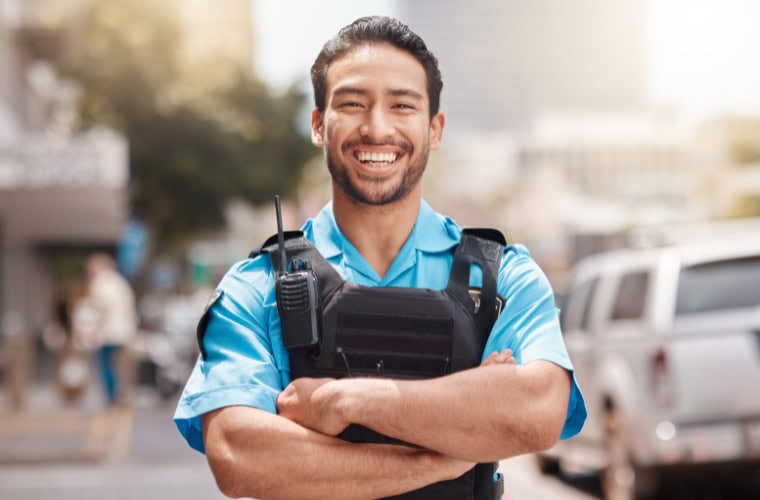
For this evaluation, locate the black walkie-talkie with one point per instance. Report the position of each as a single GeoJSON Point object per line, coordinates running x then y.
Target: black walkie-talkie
{"type": "Point", "coordinates": [297, 296]}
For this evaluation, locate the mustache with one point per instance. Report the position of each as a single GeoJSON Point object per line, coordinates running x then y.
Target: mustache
{"type": "Point", "coordinates": [405, 146]}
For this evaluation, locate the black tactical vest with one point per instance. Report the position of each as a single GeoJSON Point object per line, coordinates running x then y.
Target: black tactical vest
{"type": "Point", "coordinates": [397, 332]}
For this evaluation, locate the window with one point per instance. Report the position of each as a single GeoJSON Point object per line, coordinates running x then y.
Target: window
{"type": "Point", "coordinates": [727, 284]}
{"type": "Point", "coordinates": [578, 306]}
{"type": "Point", "coordinates": [631, 296]}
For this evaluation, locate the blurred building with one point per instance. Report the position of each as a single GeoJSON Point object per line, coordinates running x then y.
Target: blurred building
{"type": "Point", "coordinates": [643, 164]}
{"type": "Point", "coordinates": [585, 180]}
{"type": "Point", "coordinates": [616, 174]}
{"type": "Point", "coordinates": [737, 189]}
{"type": "Point", "coordinates": [61, 191]}
{"type": "Point", "coordinates": [575, 184]}
{"type": "Point", "coordinates": [64, 192]}
{"type": "Point", "coordinates": [506, 62]}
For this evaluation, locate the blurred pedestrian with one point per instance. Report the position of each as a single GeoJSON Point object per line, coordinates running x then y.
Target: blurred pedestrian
{"type": "Point", "coordinates": [110, 305]}
{"type": "Point", "coordinates": [62, 336]}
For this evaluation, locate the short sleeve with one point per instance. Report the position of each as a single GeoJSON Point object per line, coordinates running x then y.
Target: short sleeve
{"type": "Point", "coordinates": [529, 325]}
{"type": "Point", "coordinates": [240, 366]}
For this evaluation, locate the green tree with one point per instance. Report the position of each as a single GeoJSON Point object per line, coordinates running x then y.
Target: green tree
{"type": "Point", "coordinates": [200, 132]}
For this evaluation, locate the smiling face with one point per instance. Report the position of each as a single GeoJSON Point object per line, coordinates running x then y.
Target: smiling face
{"type": "Point", "coordinates": [376, 128]}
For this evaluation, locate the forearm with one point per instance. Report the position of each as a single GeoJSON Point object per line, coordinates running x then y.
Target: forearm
{"type": "Point", "coordinates": [483, 414]}
{"type": "Point", "coordinates": [253, 453]}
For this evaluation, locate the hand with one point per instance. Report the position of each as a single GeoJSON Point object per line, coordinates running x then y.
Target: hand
{"type": "Point", "coordinates": [310, 402]}
{"type": "Point", "coordinates": [499, 358]}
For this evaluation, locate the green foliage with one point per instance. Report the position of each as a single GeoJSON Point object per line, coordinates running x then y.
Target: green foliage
{"type": "Point", "coordinates": [200, 132]}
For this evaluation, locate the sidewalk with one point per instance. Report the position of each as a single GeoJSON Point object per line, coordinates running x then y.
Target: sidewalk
{"type": "Point", "coordinates": [46, 430]}
{"type": "Point", "coordinates": [45, 452]}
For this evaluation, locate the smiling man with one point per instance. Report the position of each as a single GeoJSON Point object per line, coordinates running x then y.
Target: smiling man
{"type": "Point", "coordinates": [437, 350]}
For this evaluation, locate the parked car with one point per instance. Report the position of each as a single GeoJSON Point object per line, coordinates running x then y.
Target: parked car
{"type": "Point", "coordinates": [666, 347]}
{"type": "Point", "coordinates": [167, 347]}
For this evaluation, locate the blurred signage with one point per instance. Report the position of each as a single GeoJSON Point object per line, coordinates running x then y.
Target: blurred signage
{"type": "Point", "coordinates": [97, 158]}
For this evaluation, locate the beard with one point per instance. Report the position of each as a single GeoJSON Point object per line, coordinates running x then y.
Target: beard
{"type": "Point", "coordinates": [372, 190]}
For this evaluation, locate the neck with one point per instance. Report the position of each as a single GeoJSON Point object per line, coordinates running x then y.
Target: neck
{"type": "Point", "coordinates": [378, 232]}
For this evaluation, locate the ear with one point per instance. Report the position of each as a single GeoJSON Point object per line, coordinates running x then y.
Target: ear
{"type": "Point", "coordinates": [436, 130]}
{"type": "Point", "coordinates": [317, 128]}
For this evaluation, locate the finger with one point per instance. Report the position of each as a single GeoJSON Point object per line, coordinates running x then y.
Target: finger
{"type": "Point", "coordinates": [490, 359]}
{"type": "Point", "coordinates": [508, 357]}
{"type": "Point", "coordinates": [503, 356]}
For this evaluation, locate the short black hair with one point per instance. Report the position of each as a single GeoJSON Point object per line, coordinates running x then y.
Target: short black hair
{"type": "Point", "coordinates": [376, 29]}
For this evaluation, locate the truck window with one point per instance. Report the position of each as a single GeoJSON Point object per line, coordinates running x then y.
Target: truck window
{"type": "Point", "coordinates": [575, 314]}
{"type": "Point", "coordinates": [726, 284]}
{"type": "Point", "coordinates": [630, 297]}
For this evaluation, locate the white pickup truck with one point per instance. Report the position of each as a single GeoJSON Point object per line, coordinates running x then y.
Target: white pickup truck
{"type": "Point", "coordinates": [666, 346]}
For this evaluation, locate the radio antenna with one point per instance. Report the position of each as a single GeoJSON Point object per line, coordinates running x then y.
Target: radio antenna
{"type": "Point", "coordinates": [283, 268]}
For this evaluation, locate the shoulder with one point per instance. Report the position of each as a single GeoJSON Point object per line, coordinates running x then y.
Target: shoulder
{"type": "Point", "coordinates": [248, 280]}
{"type": "Point", "coordinates": [516, 254]}
{"type": "Point", "coordinates": [520, 272]}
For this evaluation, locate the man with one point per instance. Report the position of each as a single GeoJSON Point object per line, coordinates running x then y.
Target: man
{"type": "Point", "coordinates": [377, 91]}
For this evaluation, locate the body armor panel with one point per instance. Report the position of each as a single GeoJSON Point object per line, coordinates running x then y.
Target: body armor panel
{"type": "Point", "coordinates": [406, 333]}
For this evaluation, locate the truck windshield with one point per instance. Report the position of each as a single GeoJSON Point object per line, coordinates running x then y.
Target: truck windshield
{"type": "Point", "coordinates": [727, 284]}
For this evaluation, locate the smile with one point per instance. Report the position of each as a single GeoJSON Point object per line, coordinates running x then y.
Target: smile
{"type": "Point", "coordinates": [376, 158]}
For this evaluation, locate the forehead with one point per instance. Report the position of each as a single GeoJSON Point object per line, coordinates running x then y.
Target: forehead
{"type": "Point", "coordinates": [377, 66]}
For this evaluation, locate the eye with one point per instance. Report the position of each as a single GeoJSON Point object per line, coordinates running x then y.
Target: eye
{"type": "Point", "coordinates": [350, 104]}
{"type": "Point", "coordinates": [403, 106]}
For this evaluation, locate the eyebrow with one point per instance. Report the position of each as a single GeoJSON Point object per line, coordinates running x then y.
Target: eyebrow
{"type": "Point", "coordinates": [349, 90]}
{"type": "Point", "coordinates": [402, 92]}
{"type": "Point", "coordinates": [406, 93]}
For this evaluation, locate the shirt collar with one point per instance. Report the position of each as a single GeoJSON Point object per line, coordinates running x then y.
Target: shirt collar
{"type": "Point", "coordinates": [432, 232]}
{"type": "Point", "coordinates": [324, 232]}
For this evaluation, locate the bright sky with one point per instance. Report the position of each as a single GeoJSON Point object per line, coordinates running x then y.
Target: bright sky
{"type": "Point", "coordinates": [290, 33]}
{"type": "Point", "coordinates": [704, 55]}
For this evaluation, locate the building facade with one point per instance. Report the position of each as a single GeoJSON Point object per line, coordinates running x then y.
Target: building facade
{"type": "Point", "coordinates": [62, 192]}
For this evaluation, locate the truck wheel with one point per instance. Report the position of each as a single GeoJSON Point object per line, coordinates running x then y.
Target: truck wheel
{"type": "Point", "coordinates": [547, 465]}
{"type": "Point", "coordinates": [622, 479]}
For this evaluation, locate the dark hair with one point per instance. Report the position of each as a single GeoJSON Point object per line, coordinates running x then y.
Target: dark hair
{"type": "Point", "coordinates": [376, 29]}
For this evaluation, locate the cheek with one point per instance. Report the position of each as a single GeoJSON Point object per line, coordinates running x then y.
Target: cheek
{"type": "Point", "coordinates": [420, 141]}
{"type": "Point", "coordinates": [338, 133]}
{"type": "Point", "coordinates": [333, 132]}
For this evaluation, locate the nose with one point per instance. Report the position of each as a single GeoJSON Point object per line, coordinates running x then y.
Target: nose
{"type": "Point", "coordinates": [377, 126]}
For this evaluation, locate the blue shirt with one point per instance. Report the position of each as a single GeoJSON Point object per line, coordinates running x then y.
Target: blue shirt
{"type": "Point", "coordinates": [246, 362]}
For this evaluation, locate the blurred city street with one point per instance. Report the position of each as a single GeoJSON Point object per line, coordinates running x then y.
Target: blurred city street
{"type": "Point", "coordinates": [618, 142]}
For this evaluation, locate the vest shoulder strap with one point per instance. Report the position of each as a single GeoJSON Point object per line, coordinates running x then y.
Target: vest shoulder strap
{"type": "Point", "coordinates": [484, 247]}
{"type": "Point", "coordinates": [298, 247]}
{"type": "Point", "coordinates": [270, 242]}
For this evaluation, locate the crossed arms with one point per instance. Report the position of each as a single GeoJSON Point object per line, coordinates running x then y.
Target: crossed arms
{"type": "Point", "coordinates": [487, 413]}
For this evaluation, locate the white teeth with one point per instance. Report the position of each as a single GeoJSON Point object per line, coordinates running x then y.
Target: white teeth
{"type": "Point", "coordinates": [364, 156]}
